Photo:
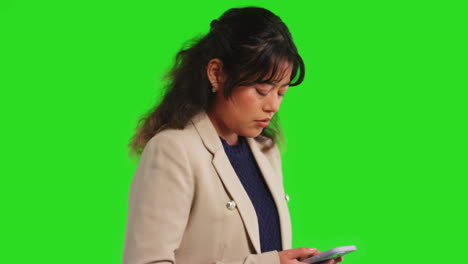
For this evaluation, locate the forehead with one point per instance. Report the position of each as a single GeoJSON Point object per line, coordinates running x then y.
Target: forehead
{"type": "Point", "coordinates": [276, 72]}
{"type": "Point", "coordinates": [278, 75]}
{"type": "Point", "coordinates": [280, 71]}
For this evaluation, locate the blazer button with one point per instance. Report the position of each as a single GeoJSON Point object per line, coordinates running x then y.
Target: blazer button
{"type": "Point", "coordinates": [286, 197]}
{"type": "Point", "coordinates": [231, 205]}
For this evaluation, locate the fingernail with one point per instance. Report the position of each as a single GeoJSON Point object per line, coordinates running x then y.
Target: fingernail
{"type": "Point", "coordinates": [312, 249]}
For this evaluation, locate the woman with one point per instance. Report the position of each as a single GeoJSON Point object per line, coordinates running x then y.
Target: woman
{"type": "Point", "coordinates": [208, 188]}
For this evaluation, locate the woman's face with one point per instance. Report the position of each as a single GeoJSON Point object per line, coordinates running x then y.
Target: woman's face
{"type": "Point", "coordinates": [248, 111]}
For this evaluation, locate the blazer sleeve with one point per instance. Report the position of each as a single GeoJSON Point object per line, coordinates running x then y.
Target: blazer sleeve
{"type": "Point", "coordinates": [159, 203]}
{"type": "Point", "coordinates": [160, 199]}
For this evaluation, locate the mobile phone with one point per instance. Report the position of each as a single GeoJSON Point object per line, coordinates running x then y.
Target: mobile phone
{"type": "Point", "coordinates": [332, 253]}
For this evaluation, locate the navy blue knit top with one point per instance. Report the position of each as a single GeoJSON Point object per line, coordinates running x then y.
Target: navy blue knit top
{"type": "Point", "coordinates": [246, 168]}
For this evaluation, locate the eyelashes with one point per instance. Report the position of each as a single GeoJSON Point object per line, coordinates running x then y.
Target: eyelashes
{"type": "Point", "coordinates": [265, 94]}
{"type": "Point", "coordinates": [261, 93]}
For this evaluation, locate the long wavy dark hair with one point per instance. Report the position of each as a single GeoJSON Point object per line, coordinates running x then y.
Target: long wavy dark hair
{"type": "Point", "coordinates": [251, 42]}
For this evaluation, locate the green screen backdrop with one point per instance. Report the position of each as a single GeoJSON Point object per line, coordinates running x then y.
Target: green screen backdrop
{"type": "Point", "coordinates": [376, 149]}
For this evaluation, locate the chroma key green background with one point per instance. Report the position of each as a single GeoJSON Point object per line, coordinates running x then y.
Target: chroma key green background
{"type": "Point", "coordinates": [376, 152]}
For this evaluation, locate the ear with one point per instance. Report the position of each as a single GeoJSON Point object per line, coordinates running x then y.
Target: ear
{"type": "Point", "coordinates": [215, 74]}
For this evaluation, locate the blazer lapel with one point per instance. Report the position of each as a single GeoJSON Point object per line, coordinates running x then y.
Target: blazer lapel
{"type": "Point", "coordinates": [240, 196]}
{"type": "Point", "coordinates": [228, 176]}
{"type": "Point", "coordinates": [275, 184]}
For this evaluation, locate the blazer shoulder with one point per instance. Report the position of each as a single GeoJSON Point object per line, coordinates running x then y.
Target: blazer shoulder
{"type": "Point", "coordinates": [177, 140]}
{"type": "Point", "coordinates": [175, 136]}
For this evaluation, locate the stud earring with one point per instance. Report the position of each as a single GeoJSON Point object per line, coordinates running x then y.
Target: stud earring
{"type": "Point", "coordinates": [213, 89]}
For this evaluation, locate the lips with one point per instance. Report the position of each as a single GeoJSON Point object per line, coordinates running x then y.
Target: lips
{"type": "Point", "coordinates": [263, 122]}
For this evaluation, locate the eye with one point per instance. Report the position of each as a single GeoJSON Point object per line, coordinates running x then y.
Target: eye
{"type": "Point", "coordinates": [260, 92]}
{"type": "Point", "coordinates": [282, 92]}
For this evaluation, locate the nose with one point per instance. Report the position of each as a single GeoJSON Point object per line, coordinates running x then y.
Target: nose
{"type": "Point", "coordinates": [272, 103]}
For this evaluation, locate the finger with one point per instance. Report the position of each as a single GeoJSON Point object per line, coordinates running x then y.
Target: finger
{"type": "Point", "coordinates": [311, 255]}
{"type": "Point", "coordinates": [301, 253]}
{"type": "Point", "coordinates": [330, 261]}
{"type": "Point", "coordinates": [338, 259]}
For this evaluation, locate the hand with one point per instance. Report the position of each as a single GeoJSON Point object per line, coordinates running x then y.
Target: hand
{"type": "Point", "coordinates": [291, 256]}
{"type": "Point", "coordinates": [295, 255]}
{"type": "Point", "coordinates": [332, 261]}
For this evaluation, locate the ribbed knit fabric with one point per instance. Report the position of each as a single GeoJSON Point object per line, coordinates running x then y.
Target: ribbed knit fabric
{"type": "Point", "coordinates": [246, 168]}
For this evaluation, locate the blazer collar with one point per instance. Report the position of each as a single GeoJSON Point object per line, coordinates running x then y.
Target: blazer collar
{"type": "Point", "coordinates": [207, 132]}
{"type": "Point", "coordinates": [221, 162]}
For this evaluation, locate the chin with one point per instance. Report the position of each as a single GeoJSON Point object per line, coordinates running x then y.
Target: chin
{"type": "Point", "coordinates": [252, 133]}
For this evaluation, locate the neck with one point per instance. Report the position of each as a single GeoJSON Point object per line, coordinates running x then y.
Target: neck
{"type": "Point", "coordinates": [222, 131]}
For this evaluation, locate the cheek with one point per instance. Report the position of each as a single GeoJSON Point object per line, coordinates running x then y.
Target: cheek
{"type": "Point", "coordinates": [246, 102]}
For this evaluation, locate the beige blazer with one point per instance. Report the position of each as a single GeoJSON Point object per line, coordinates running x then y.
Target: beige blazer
{"type": "Point", "coordinates": [187, 205]}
